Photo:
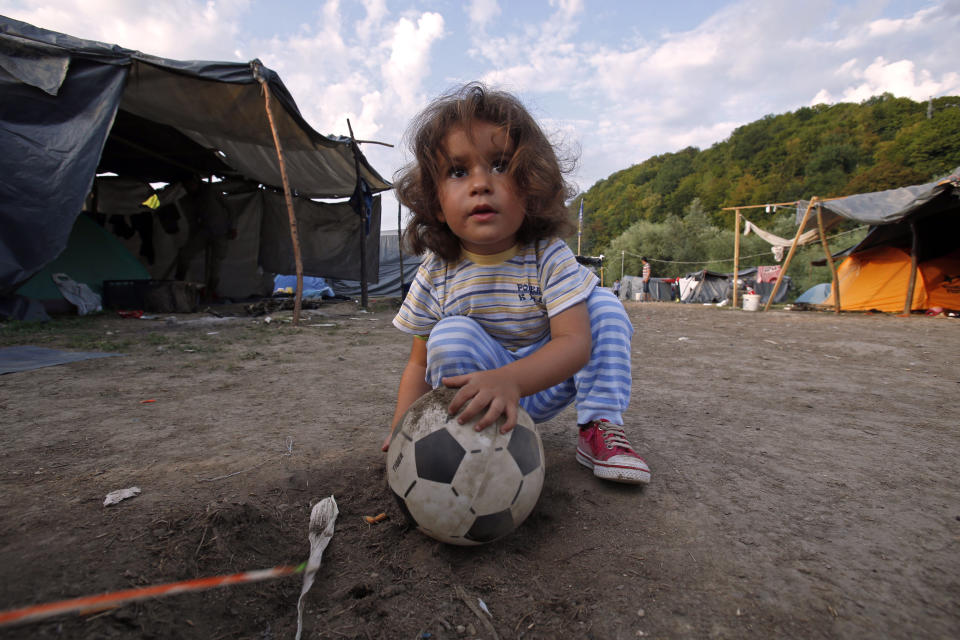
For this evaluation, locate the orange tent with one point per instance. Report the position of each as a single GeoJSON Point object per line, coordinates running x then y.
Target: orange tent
{"type": "Point", "coordinates": [877, 279]}
{"type": "Point", "coordinates": [918, 225]}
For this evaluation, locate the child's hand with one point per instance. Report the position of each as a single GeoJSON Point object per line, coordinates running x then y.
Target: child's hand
{"type": "Point", "coordinates": [490, 390]}
{"type": "Point", "coordinates": [386, 442]}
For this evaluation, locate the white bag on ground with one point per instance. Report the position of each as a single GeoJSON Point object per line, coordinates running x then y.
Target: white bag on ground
{"type": "Point", "coordinates": [78, 294]}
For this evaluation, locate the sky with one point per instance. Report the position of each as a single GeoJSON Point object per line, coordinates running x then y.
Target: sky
{"type": "Point", "coordinates": [613, 83]}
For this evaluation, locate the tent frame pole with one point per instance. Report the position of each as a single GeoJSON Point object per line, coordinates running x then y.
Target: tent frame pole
{"type": "Point", "coordinates": [914, 250]}
{"type": "Point", "coordinates": [736, 254]}
{"type": "Point", "coordinates": [400, 246]}
{"type": "Point", "coordinates": [835, 281]}
{"type": "Point", "coordinates": [793, 249]}
{"type": "Point", "coordinates": [294, 236]}
{"type": "Point", "coordinates": [363, 220]}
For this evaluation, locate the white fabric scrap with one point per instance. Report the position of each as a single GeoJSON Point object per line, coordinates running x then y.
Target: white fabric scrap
{"type": "Point", "coordinates": [78, 294]}
{"type": "Point", "coordinates": [120, 494]}
{"type": "Point", "coordinates": [322, 519]}
{"type": "Point", "coordinates": [805, 238]}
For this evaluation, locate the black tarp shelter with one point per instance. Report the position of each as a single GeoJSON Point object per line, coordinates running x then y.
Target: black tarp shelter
{"type": "Point", "coordinates": [707, 286]}
{"type": "Point", "coordinates": [71, 108]}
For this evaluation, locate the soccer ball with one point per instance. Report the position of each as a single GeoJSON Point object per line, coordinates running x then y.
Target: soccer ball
{"type": "Point", "coordinates": [458, 485]}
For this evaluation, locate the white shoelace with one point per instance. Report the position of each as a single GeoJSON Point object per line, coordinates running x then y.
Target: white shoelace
{"type": "Point", "coordinates": [614, 436]}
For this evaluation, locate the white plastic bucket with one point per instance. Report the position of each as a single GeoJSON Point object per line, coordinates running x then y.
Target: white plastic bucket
{"type": "Point", "coordinates": [751, 302]}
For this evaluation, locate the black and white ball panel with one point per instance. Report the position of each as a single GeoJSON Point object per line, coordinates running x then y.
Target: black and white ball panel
{"type": "Point", "coordinates": [459, 485]}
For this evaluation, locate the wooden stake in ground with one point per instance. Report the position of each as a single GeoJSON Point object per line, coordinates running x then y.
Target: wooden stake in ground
{"type": "Point", "coordinates": [736, 254]}
{"type": "Point", "coordinates": [835, 282]}
{"type": "Point", "coordinates": [363, 219]}
{"type": "Point", "coordinates": [914, 248]}
{"type": "Point", "coordinates": [294, 237]}
{"type": "Point", "coordinates": [793, 249]}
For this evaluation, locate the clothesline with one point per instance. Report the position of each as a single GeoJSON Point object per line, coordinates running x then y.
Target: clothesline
{"type": "Point", "coordinates": [756, 255]}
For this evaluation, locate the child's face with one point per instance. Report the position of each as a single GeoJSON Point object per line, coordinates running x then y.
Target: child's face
{"type": "Point", "coordinates": [478, 199]}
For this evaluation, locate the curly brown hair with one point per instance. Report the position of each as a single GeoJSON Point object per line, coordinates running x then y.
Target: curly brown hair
{"type": "Point", "coordinates": [535, 166]}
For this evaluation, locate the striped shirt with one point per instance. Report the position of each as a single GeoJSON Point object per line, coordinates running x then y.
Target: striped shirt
{"type": "Point", "coordinates": [646, 270]}
{"type": "Point", "coordinates": [512, 295]}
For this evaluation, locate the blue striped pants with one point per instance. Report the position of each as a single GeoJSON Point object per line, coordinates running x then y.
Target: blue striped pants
{"type": "Point", "coordinates": [458, 345]}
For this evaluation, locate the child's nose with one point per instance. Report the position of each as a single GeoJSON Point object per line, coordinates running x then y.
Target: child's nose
{"type": "Point", "coordinates": [480, 182]}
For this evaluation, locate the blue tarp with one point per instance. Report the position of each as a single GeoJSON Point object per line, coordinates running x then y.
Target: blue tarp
{"type": "Point", "coordinates": [815, 294]}
{"type": "Point", "coordinates": [312, 287]}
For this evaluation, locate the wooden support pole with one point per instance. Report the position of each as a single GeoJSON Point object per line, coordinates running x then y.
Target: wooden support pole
{"type": "Point", "coordinates": [363, 221]}
{"type": "Point", "coordinates": [736, 255]}
{"type": "Point", "coordinates": [835, 282]}
{"type": "Point", "coordinates": [914, 249]}
{"type": "Point", "coordinates": [793, 249]}
{"type": "Point", "coordinates": [400, 246]}
{"type": "Point", "coordinates": [294, 237]}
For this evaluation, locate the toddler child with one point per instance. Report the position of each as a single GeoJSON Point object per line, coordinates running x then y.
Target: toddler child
{"type": "Point", "coordinates": [500, 309]}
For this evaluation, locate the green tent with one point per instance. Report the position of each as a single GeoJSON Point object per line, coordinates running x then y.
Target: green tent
{"type": "Point", "coordinates": [93, 255]}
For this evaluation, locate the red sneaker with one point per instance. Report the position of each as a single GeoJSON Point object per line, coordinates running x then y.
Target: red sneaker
{"type": "Point", "coordinates": [604, 448]}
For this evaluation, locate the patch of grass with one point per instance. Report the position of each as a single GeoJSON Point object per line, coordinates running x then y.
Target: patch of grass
{"type": "Point", "coordinates": [17, 332]}
{"type": "Point", "coordinates": [251, 355]}
{"type": "Point", "coordinates": [93, 342]}
{"type": "Point", "coordinates": [201, 347]}
{"type": "Point", "coordinates": [156, 339]}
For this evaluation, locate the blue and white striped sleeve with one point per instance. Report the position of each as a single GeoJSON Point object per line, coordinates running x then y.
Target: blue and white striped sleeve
{"type": "Point", "coordinates": [564, 281]}
{"type": "Point", "coordinates": [420, 309]}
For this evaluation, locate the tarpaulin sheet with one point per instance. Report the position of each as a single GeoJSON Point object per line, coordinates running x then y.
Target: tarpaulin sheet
{"type": "Point", "coordinates": [27, 357]}
{"type": "Point", "coordinates": [61, 95]}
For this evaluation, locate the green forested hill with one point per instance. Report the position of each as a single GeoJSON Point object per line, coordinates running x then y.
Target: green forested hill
{"type": "Point", "coordinates": [825, 151]}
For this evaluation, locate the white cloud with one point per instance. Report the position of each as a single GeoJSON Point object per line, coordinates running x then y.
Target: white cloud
{"type": "Point", "coordinates": [181, 29]}
{"type": "Point", "coordinates": [409, 61]}
{"type": "Point", "coordinates": [621, 95]}
{"type": "Point", "coordinates": [900, 78]}
{"type": "Point", "coordinates": [483, 11]}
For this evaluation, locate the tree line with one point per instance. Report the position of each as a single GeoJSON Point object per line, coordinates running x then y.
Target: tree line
{"type": "Point", "coordinates": [669, 207]}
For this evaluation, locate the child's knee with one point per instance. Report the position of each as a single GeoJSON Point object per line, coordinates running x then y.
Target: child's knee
{"type": "Point", "coordinates": [453, 342]}
{"type": "Point", "coordinates": [454, 329]}
{"type": "Point", "coordinates": [607, 313]}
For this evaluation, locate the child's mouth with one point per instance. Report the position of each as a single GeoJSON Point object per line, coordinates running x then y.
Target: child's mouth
{"type": "Point", "coordinates": [483, 212]}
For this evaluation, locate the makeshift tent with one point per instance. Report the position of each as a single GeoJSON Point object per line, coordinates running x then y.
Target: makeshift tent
{"type": "Point", "coordinates": [917, 225]}
{"type": "Point", "coordinates": [711, 286]}
{"type": "Point", "coordinates": [388, 279]}
{"type": "Point", "coordinates": [75, 108]}
{"type": "Point", "coordinates": [661, 289]}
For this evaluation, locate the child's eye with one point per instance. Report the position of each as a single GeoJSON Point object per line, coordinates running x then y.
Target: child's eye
{"type": "Point", "coordinates": [456, 172]}
{"type": "Point", "coordinates": [500, 166]}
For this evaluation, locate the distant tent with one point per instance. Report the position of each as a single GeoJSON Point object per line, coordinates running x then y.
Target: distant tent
{"type": "Point", "coordinates": [815, 294]}
{"type": "Point", "coordinates": [920, 220]}
{"type": "Point", "coordinates": [661, 289]}
{"type": "Point", "coordinates": [711, 286]}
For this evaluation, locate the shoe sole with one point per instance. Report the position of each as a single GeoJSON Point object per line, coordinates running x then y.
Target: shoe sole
{"type": "Point", "coordinates": [614, 473]}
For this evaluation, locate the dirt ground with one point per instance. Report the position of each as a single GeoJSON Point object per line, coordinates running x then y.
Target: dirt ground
{"type": "Point", "coordinates": [804, 484]}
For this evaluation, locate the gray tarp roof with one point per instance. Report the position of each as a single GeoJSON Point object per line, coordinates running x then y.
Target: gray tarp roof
{"type": "Point", "coordinates": [933, 207]}
{"type": "Point", "coordinates": [884, 207]}
{"type": "Point", "coordinates": [73, 107]}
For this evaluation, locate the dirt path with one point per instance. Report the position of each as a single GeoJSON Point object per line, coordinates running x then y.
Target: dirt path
{"type": "Point", "coordinates": [804, 485]}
